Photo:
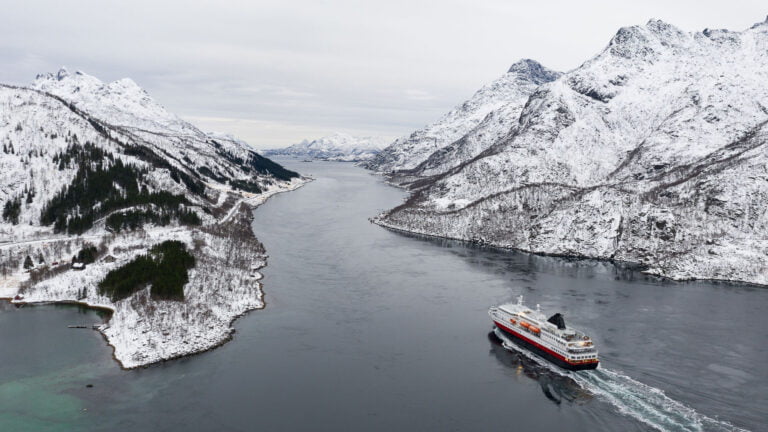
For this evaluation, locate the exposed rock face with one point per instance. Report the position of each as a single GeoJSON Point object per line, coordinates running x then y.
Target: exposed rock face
{"type": "Point", "coordinates": [653, 152]}
{"type": "Point", "coordinates": [467, 129]}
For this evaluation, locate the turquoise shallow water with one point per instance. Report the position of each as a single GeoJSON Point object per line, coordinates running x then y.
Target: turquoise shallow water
{"type": "Point", "coordinates": [366, 329]}
{"type": "Point", "coordinates": [45, 366]}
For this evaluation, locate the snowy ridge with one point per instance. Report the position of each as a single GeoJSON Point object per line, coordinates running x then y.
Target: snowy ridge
{"type": "Point", "coordinates": [131, 114]}
{"type": "Point", "coordinates": [68, 124]}
{"type": "Point", "coordinates": [122, 102]}
{"type": "Point", "coordinates": [508, 93]}
{"type": "Point", "coordinates": [336, 147]}
{"type": "Point", "coordinates": [653, 152]}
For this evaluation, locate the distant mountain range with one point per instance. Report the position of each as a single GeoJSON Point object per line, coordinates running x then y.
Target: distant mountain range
{"type": "Point", "coordinates": [337, 147]}
{"type": "Point", "coordinates": [653, 151]}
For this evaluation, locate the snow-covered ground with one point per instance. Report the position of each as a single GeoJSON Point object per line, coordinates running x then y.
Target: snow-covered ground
{"type": "Point", "coordinates": [467, 129]}
{"type": "Point", "coordinates": [339, 147]}
{"type": "Point", "coordinates": [653, 152]}
{"type": "Point", "coordinates": [223, 285]}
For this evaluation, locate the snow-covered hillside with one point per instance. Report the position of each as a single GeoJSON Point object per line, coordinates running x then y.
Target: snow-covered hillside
{"type": "Point", "coordinates": [653, 151]}
{"type": "Point", "coordinates": [85, 162]}
{"type": "Point", "coordinates": [337, 147]}
{"type": "Point", "coordinates": [463, 131]}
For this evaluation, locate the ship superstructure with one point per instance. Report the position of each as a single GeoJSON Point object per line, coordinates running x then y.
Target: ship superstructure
{"type": "Point", "coordinates": [565, 346]}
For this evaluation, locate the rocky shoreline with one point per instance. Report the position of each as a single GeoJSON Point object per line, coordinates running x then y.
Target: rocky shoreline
{"type": "Point", "coordinates": [644, 268]}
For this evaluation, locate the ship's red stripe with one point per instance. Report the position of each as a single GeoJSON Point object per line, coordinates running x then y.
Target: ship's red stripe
{"type": "Point", "coordinates": [558, 355]}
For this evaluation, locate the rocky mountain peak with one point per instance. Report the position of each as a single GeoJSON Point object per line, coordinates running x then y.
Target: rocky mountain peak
{"type": "Point", "coordinates": [64, 81]}
{"type": "Point", "coordinates": [122, 101]}
{"type": "Point", "coordinates": [655, 37]}
{"type": "Point", "coordinates": [666, 33]}
{"type": "Point", "coordinates": [763, 24]}
{"type": "Point", "coordinates": [533, 71]}
{"type": "Point", "coordinates": [62, 73]}
{"type": "Point", "coordinates": [632, 42]}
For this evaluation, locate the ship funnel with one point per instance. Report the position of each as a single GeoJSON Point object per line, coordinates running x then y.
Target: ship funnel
{"type": "Point", "coordinates": [558, 320]}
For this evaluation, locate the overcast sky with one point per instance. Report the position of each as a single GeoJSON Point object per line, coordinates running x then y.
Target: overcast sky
{"type": "Point", "coordinates": [275, 72]}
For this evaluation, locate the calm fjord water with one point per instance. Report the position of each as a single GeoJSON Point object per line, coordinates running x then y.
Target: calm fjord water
{"type": "Point", "coordinates": [367, 329]}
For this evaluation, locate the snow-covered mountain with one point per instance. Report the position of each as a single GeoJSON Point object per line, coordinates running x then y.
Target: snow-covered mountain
{"type": "Point", "coordinates": [337, 147]}
{"type": "Point", "coordinates": [84, 161]}
{"type": "Point", "coordinates": [462, 133]}
{"type": "Point", "coordinates": [653, 152]}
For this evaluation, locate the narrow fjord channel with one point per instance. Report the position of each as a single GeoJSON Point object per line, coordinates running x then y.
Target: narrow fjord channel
{"type": "Point", "coordinates": [367, 329]}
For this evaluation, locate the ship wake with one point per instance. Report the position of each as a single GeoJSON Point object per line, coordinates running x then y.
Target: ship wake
{"type": "Point", "coordinates": [630, 397]}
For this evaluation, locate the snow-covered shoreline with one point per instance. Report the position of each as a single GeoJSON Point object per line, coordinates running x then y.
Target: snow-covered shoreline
{"type": "Point", "coordinates": [220, 289]}
{"type": "Point", "coordinates": [688, 275]}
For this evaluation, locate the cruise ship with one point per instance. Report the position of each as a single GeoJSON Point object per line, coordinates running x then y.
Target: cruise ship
{"type": "Point", "coordinates": [550, 338]}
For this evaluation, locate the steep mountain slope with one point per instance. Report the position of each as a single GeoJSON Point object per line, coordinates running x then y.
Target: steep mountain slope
{"type": "Point", "coordinates": [498, 124]}
{"type": "Point", "coordinates": [473, 117]}
{"type": "Point", "coordinates": [337, 147]}
{"type": "Point", "coordinates": [653, 152]}
{"type": "Point", "coordinates": [104, 173]}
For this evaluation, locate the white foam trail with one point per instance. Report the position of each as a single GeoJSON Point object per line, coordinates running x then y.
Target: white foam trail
{"type": "Point", "coordinates": [633, 398]}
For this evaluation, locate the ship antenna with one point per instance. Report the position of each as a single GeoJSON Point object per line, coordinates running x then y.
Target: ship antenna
{"type": "Point", "coordinates": [538, 307]}
{"type": "Point", "coordinates": [520, 299]}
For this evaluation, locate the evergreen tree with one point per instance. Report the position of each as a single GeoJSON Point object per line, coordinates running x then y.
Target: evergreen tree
{"type": "Point", "coordinates": [12, 210]}
{"type": "Point", "coordinates": [165, 268]}
{"type": "Point", "coordinates": [30, 195]}
{"type": "Point", "coordinates": [87, 254]}
{"type": "Point", "coordinates": [28, 264]}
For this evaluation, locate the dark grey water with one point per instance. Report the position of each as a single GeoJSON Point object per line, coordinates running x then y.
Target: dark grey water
{"type": "Point", "coordinates": [366, 329]}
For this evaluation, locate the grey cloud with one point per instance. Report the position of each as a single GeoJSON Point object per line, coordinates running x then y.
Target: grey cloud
{"type": "Point", "coordinates": [280, 71]}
